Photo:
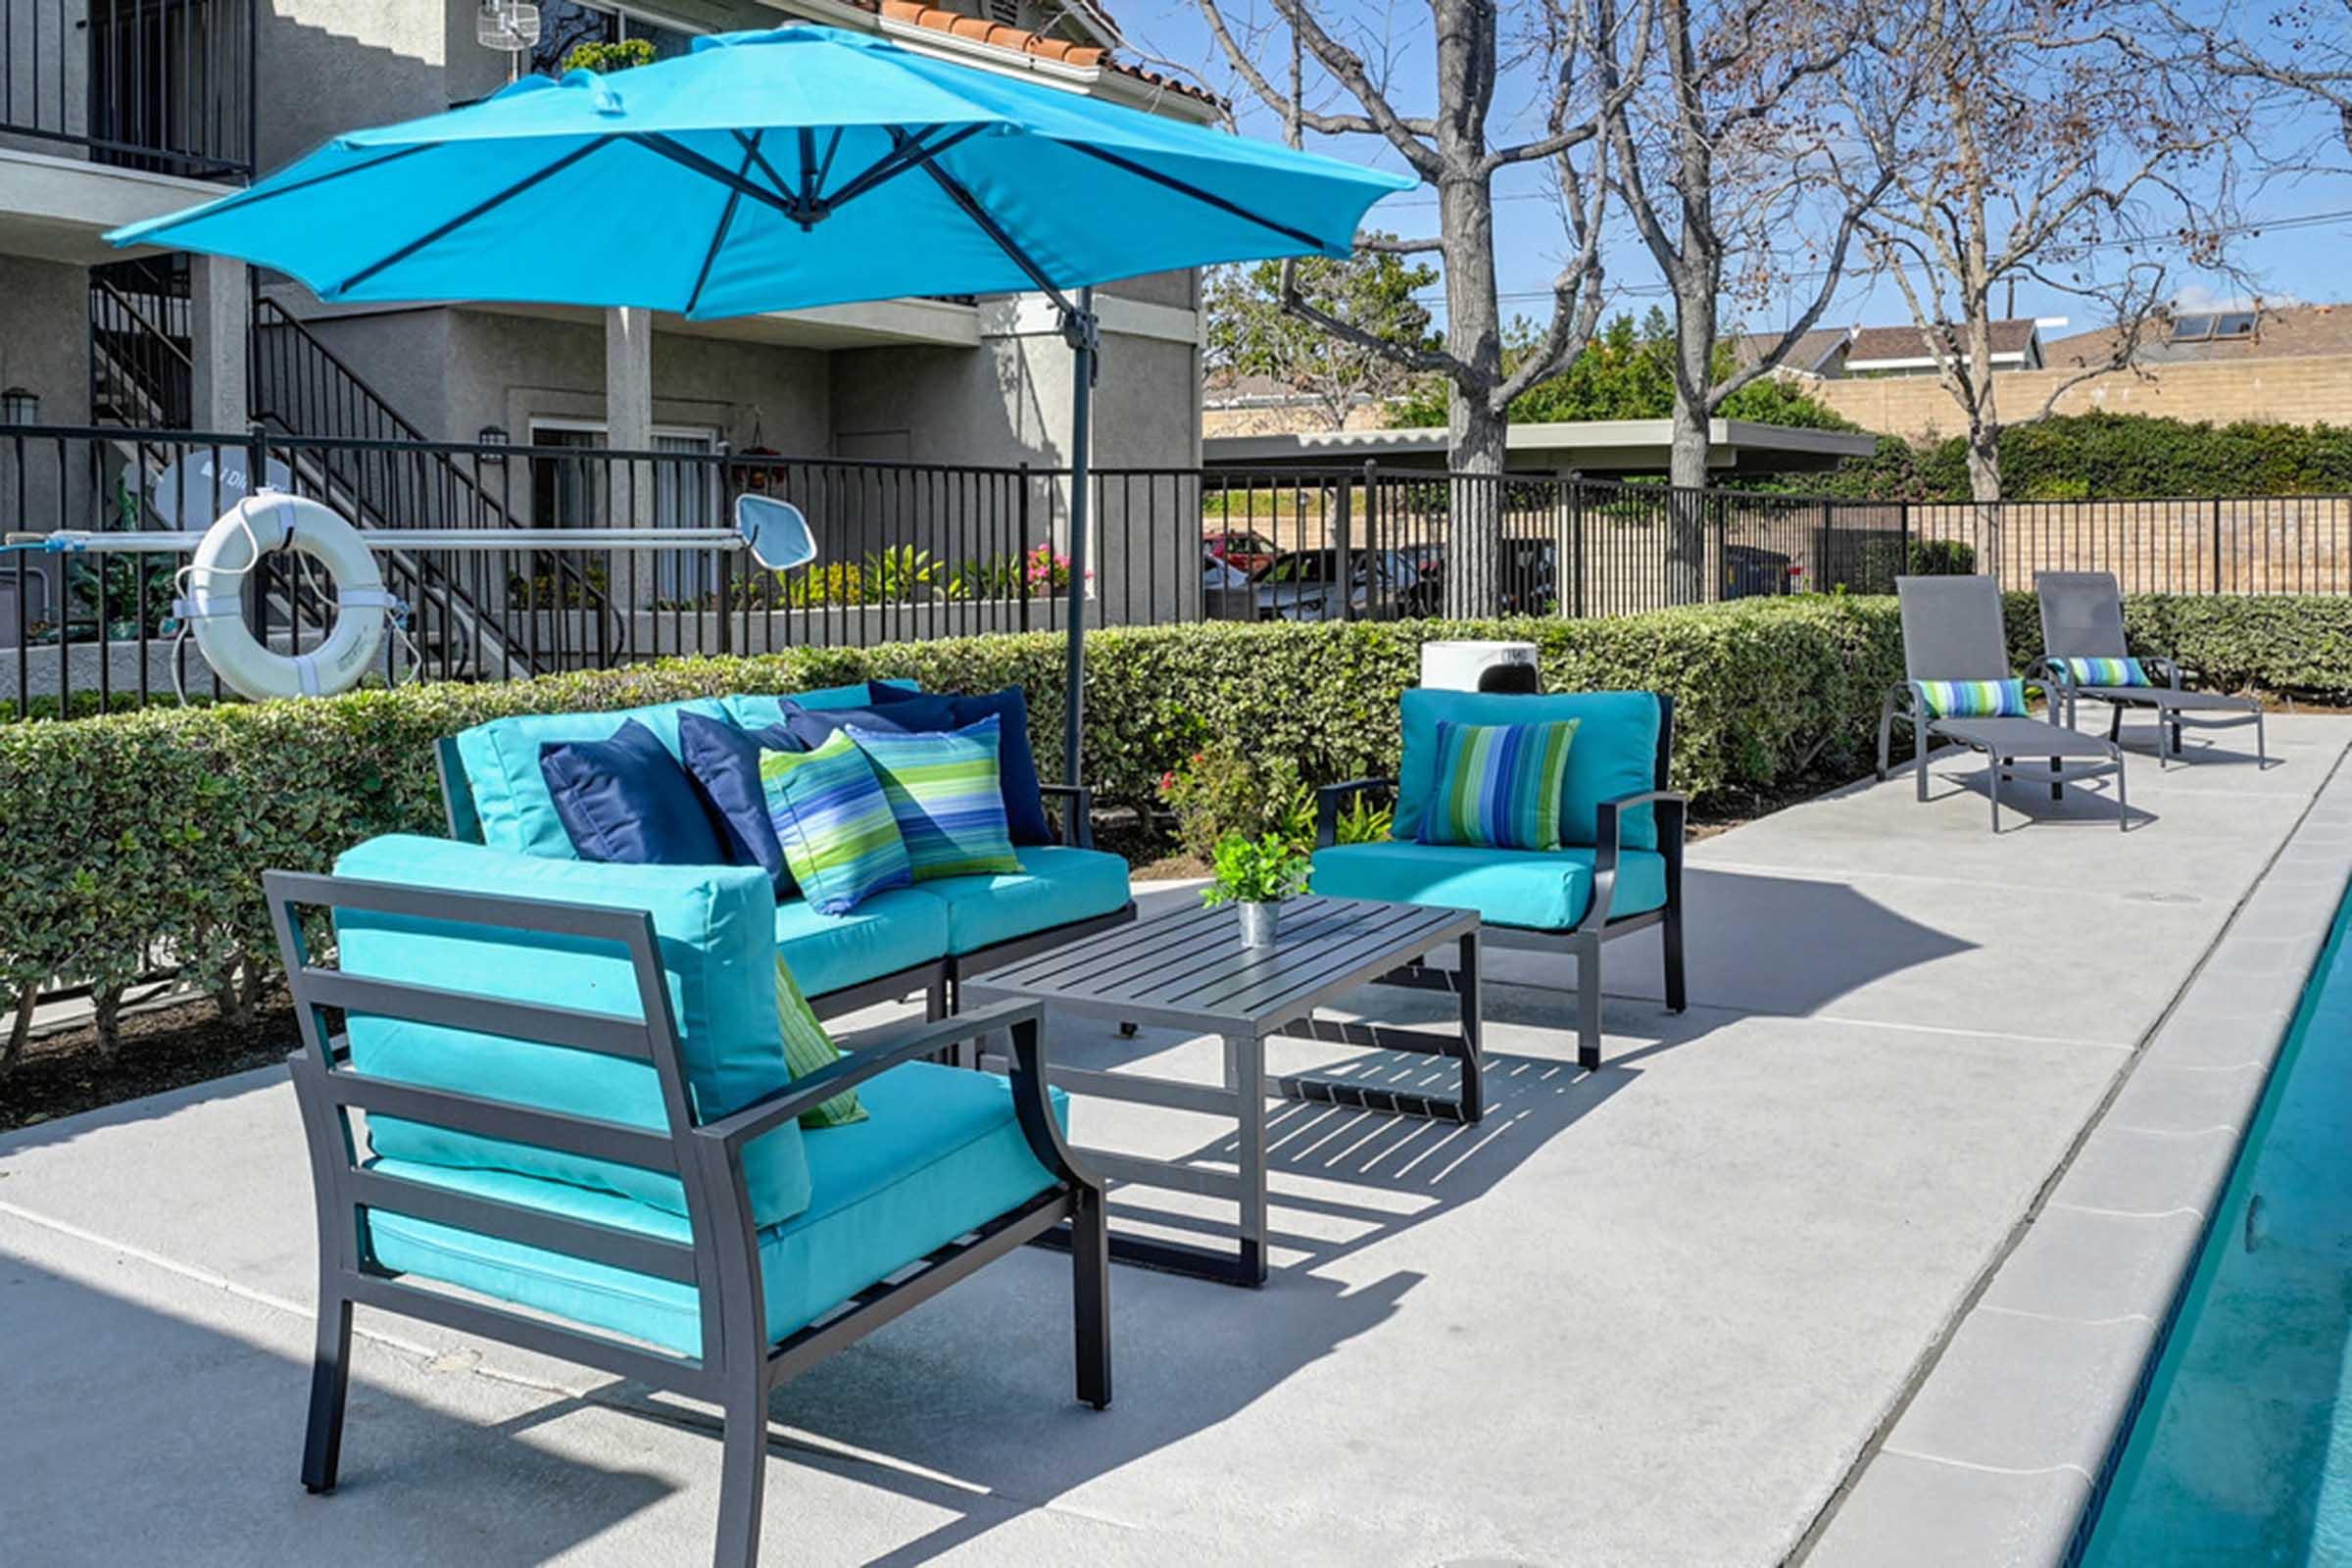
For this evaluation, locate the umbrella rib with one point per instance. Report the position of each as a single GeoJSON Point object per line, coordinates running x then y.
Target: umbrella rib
{"type": "Point", "coordinates": [758, 159]}
{"type": "Point", "coordinates": [907, 151]}
{"type": "Point", "coordinates": [679, 153]}
{"type": "Point", "coordinates": [444, 231]}
{"type": "Point", "coordinates": [259, 194]}
{"type": "Point", "coordinates": [727, 220]}
{"type": "Point", "coordinates": [987, 225]}
{"type": "Point", "coordinates": [1183, 188]}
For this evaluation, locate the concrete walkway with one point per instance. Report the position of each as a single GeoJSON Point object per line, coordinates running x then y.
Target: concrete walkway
{"type": "Point", "coordinates": [1648, 1315]}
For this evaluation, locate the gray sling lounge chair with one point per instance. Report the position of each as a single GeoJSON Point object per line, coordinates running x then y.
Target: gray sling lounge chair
{"type": "Point", "coordinates": [2082, 617]}
{"type": "Point", "coordinates": [1953, 631]}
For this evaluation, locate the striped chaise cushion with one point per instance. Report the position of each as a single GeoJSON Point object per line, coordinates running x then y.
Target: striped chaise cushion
{"type": "Point", "coordinates": [944, 788]}
{"type": "Point", "coordinates": [1498, 786]}
{"type": "Point", "coordinates": [2106, 672]}
{"type": "Point", "coordinates": [1974, 699]}
{"type": "Point", "coordinates": [840, 842]}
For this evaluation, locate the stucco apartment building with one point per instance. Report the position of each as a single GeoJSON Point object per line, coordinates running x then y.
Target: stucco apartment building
{"type": "Point", "coordinates": [114, 110]}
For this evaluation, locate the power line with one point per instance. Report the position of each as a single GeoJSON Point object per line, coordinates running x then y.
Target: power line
{"type": "Point", "coordinates": [2293, 220]}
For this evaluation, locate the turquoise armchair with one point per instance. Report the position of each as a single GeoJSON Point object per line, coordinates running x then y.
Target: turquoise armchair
{"type": "Point", "coordinates": [1618, 871]}
{"type": "Point", "coordinates": [578, 1112]}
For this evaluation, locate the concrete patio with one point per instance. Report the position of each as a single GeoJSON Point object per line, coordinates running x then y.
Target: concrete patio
{"type": "Point", "coordinates": [1653, 1314]}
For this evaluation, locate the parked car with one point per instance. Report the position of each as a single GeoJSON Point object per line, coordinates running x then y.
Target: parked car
{"type": "Point", "coordinates": [1530, 578]}
{"type": "Point", "coordinates": [1245, 550]}
{"type": "Point", "coordinates": [1302, 586]}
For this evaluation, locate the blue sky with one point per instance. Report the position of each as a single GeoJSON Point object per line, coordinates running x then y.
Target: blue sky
{"type": "Point", "coordinates": [2301, 260]}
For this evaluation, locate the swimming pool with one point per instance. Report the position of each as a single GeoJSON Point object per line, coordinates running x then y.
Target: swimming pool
{"type": "Point", "coordinates": [2242, 1449]}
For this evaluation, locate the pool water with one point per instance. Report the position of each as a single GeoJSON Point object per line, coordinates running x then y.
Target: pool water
{"type": "Point", "coordinates": [2242, 1449]}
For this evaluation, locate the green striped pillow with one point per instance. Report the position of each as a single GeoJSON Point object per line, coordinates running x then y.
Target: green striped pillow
{"type": "Point", "coordinates": [1974, 699]}
{"type": "Point", "coordinates": [808, 1049]}
{"type": "Point", "coordinates": [943, 788]}
{"type": "Point", "coordinates": [839, 838]}
{"type": "Point", "coordinates": [2107, 671]}
{"type": "Point", "coordinates": [1498, 786]}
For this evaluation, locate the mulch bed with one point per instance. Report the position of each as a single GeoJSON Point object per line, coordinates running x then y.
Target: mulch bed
{"type": "Point", "coordinates": [62, 1073]}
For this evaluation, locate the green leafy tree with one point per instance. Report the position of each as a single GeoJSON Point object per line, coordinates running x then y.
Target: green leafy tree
{"type": "Point", "coordinates": [606, 58]}
{"type": "Point", "coordinates": [1626, 373]}
{"type": "Point", "coordinates": [1250, 333]}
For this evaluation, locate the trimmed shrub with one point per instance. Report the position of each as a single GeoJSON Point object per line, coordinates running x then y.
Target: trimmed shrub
{"type": "Point", "coordinates": [132, 830]}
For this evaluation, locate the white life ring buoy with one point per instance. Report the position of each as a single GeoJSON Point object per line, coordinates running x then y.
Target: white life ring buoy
{"type": "Point", "coordinates": [215, 605]}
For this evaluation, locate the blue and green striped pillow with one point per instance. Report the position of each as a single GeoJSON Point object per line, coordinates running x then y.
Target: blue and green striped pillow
{"type": "Point", "coordinates": [1974, 699]}
{"type": "Point", "coordinates": [1498, 786]}
{"type": "Point", "coordinates": [944, 788]}
{"type": "Point", "coordinates": [2106, 671]}
{"type": "Point", "coordinates": [834, 824]}
{"type": "Point", "coordinates": [808, 1049]}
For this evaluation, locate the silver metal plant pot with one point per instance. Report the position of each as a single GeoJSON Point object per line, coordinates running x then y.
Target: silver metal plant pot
{"type": "Point", "coordinates": [1259, 922]}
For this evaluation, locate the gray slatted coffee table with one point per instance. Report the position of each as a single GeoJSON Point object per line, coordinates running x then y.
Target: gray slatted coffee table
{"type": "Point", "coordinates": [1189, 970]}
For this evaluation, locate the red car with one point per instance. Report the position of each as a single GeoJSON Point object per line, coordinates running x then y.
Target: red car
{"type": "Point", "coordinates": [1245, 550]}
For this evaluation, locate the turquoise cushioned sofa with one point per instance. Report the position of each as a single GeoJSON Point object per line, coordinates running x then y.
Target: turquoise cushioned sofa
{"type": "Point", "coordinates": [1619, 866]}
{"type": "Point", "coordinates": [578, 1114]}
{"type": "Point", "coordinates": [929, 937]}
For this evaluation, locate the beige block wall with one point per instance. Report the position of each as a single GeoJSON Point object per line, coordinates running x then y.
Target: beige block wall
{"type": "Point", "coordinates": [2304, 390]}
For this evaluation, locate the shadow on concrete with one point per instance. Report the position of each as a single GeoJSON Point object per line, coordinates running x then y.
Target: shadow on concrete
{"type": "Point", "coordinates": [135, 1434]}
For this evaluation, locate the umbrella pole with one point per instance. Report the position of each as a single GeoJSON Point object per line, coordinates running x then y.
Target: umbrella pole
{"type": "Point", "coordinates": [1078, 330]}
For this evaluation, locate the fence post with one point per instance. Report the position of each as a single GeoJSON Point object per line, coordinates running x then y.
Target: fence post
{"type": "Point", "coordinates": [1020, 547]}
{"type": "Point", "coordinates": [1343, 545]}
{"type": "Point", "coordinates": [1576, 542]}
{"type": "Point", "coordinates": [2217, 544]}
{"type": "Point", "coordinates": [257, 603]}
{"type": "Point", "coordinates": [726, 600]}
{"type": "Point", "coordinates": [1828, 549]}
{"type": "Point", "coordinates": [1903, 540]}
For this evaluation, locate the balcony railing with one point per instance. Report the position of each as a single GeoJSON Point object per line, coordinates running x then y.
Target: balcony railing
{"type": "Point", "coordinates": [163, 85]}
{"type": "Point", "coordinates": [915, 550]}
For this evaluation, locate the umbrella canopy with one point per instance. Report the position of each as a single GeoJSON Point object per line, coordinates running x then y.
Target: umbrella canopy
{"type": "Point", "coordinates": [773, 170]}
{"type": "Point", "coordinates": [777, 170]}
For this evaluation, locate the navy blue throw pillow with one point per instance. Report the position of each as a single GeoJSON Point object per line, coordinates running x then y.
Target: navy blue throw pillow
{"type": "Point", "coordinates": [1016, 766]}
{"type": "Point", "coordinates": [627, 801]}
{"type": "Point", "coordinates": [898, 709]}
{"type": "Point", "coordinates": [914, 715]}
{"type": "Point", "coordinates": [723, 761]}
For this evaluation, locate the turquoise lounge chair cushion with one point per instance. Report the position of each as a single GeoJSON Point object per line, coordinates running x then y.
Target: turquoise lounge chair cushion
{"type": "Point", "coordinates": [941, 1155]}
{"type": "Point", "coordinates": [1542, 890]}
{"type": "Point", "coordinates": [715, 927]}
{"type": "Point", "coordinates": [890, 931]}
{"type": "Point", "coordinates": [1055, 885]}
{"type": "Point", "coordinates": [1615, 755]}
{"type": "Point", "coordinates": [502, 757]}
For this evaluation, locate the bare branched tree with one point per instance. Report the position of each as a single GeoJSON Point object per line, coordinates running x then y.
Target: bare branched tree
{"type": "Point", "coordinates": [1728, 158]}
{"type": "Point", "coordinates": [1475, 46]}
{"type": "Point", "coordinates": [2301, 50]}
{"type": "Point", "coordinates": [2028, 145]}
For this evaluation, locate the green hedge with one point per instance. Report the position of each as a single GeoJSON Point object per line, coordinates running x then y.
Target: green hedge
{"type": "Point", "coordinates": [130, 830]}
{"type": "Point", "coordinates": [2105, 457]}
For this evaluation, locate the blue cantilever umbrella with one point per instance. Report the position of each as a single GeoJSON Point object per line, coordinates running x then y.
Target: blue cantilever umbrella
{"type": "Point", "coordinates": [776, 170]}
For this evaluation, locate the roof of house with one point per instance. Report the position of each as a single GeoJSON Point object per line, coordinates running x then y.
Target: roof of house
{"type": "Point", "coordinates": [1878, 345]}
{"type": "Point", "coordinates": [1022, 41]}
{"type": "Point", "coordinates": [1810, 352]}
{"type": "Point", "coordinates": [2290, 332]}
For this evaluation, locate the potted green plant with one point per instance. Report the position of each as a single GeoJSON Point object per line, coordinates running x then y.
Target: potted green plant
{"type": "Point", "coordinates": [1256, 875]}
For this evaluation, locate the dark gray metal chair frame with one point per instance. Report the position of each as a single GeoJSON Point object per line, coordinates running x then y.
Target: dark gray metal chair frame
{"type": "Point", "coordinates": [1582, 942]}
{"type": "Point", "coordinates": [941, 979]}
{"type": "Point", "coordinates": [738, 1367]}
{"type": "Point", "coordinates": [2094, 629]}
{"type": "Point", "coordinates": [1939, 644]}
